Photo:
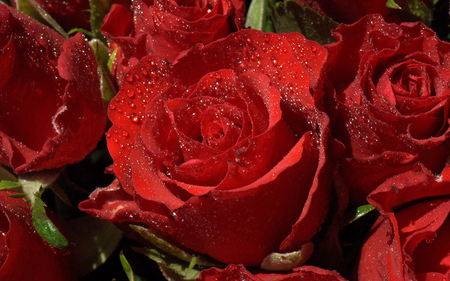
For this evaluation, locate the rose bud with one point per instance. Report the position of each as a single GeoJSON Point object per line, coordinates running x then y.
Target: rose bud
{"type": "Point", "coordinates": [223, 151]}
{"type": "Point", "coordinates": [392, 100]}
{"type": "Point", "coordinates": [167, 28]}
{"type": "Point", "coordinates": [238, 272]}
{"type": "Point", "coordinates": [50, 99]}
{"type": "Point", "coordinates": [24, 255]}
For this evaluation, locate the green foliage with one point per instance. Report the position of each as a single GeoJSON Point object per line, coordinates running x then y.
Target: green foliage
{"type": "Point", "coordinates": [289, 16]}
{"type": "Point", "coordinates": [126, 267]}
{"type": "Point", "coordinates": [9, 184]}
{"type": "Point", "coordinates": [34, 185]}
{"type": "Point", "coordinates": [101, 55]}
{"type": "Point", "coordinates": [257, 16]}
{"type": "Point", "coordinates": [413, 9]}
{"type": "Point", "coordinates": [358, 213]}
{"type": "Point", "coordinates": [45, 227]}
{"type": "Point", "coordinates": [33, 9]}
{"type": "Point", "coordinates": [174, 261]}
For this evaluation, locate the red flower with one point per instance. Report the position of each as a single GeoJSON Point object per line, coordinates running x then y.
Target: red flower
{"type": "Point", "coordinates": [410, 243]}
{"type": "Point", "coordinates": [223, 151]}
{"type": "Point", "coordinates": [52, 111]}
{"type": "Point", "coordinates": [68, 14]}
{"type": "Point", "coordinates": [392, 97]}
{"type": "Point", "coordinates": [167, 28]}
{"type": "Point", "coordinates": [24, 255]}
{"type": "Point", "coordinates": [238, 272]}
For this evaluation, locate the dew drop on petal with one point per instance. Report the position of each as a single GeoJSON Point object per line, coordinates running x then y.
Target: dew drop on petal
{"type": "Point", "coordinates": [134, 118]}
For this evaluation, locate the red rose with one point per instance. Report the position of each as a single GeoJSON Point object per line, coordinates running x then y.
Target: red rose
{"type": "Point", "coordinates": [392, 96]}
{"type": "Point", "coordinates": [167, 28]}
{"type": "Point", "coordinates": [238, 272]}
{"type": "Point", "coordinates": [52, 110]}
{"type": "Point", "coordinates": [410, 243]}
{"type": "Point", "coordinates": [24, 255]}
{"type": "Point", "coordinates": [223, 151]}
{"type": "Point", "coordinates": [348, 11]}
{"type": "Point", "coordinates": [69, 14]}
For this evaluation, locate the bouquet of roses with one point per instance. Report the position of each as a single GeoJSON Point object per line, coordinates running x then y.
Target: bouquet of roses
{"type": "Point", "coordinates": [224, 140]}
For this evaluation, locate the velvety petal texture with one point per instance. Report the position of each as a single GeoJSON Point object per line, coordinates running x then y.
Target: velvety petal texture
{"type": "Point", "coordinates": [50, 99]}
{"type": "Point", "coordinates": [167, 28]}
{"type": "Point", "coordinates": [238, 272]}
{"type": "Point", "coordinates": [224, 151]}
{"type": "Point", "coordinates": [392, 99]}
{"type": "Point", "coordinates": [24, 255]}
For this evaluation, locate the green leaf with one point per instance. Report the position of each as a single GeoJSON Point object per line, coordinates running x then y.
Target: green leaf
{"type": "Point", "coordinates": [172, 249]}
{"type": "Point", "coordinates": [45, 227]}
{"type": "Point", "coordinates": [94, 240]}
{"type": "Point", "coordinates": [358, 213]}
{"type": "Point", "coordinates": [289, 16]}
{"type": "Point", "coordinates": [17, 195]}
{"type": "Point", "coordinates": [84, 31]}
{"type": "Point", "coordinates": [257, 15]}
{"type": "Point", "coordinates": [106, 85]}
{"type": "Point", "coordinates": [9, 184]}
{"type": "Point", "coordinates": [25, 7]}
{"type": "Point", "coordinates": [391, 4]}
{"type": "Point", "coordinates": [126, 267]}
{"type": "Point", "coordinates": [6, 175]}
{"type": "Point", "coordinates": [172, 267]}
{"type": "Point", "coordinates": [412, 10]}
{"type": "Point", "coordinates": [111, 59]}
{"type": "Point", "coordinates": [46, 16]}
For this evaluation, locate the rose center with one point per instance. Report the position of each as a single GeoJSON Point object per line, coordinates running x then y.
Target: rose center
{"type": "Point", "coordinates": [411, 81]}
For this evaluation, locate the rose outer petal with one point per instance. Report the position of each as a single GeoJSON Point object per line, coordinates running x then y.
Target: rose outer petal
{"type": "Point", "coordinates": [239, 272]}
{"type": "Point", "coordinates": [68, 113]}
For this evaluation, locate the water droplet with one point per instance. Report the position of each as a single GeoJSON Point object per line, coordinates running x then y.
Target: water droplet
{"type": "Point", "coordinates": [108, 135]}
{"type": "Point", "coordinates": [132, 104]}
{"type": "Point", "coordinates": [134, 118]}
{"type": "Point", "coordinates": [313, 48]}
{"type": "Point", "coordinates": [130, 93]}
{"type": "Point", "coordinates": [274, 61]}
{"type": "Point", "coordinates": [125, 134]}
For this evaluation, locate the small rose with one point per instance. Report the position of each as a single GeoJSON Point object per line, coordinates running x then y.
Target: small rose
{"type": "Point", "coordinates": [167, 28]}
{"type": "Point", "coordinates": [392, 98]}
